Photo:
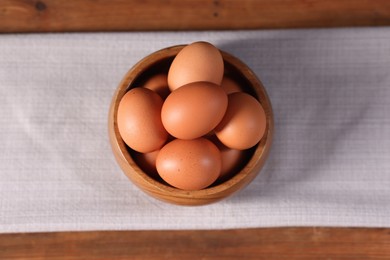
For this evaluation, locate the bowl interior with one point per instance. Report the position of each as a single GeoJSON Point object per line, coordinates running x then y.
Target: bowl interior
{"type": "Point", "coordinates": [159, 62]}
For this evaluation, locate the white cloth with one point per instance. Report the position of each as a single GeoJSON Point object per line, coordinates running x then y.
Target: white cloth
{"type": "Point", "coordinates": [329, 164]}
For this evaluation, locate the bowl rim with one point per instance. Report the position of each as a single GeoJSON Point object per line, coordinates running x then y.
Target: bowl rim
{"type": "Point", "coordinates": [257, 159]}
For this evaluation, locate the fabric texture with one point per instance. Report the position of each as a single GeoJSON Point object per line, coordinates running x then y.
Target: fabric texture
{"type": "Point", "coordinates": [329, 164]}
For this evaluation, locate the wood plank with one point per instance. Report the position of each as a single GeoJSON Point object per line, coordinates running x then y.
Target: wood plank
{"type": "Point", "coordinates": [130, 15]}
{"type": "Point", "coordinates": [260, 243]}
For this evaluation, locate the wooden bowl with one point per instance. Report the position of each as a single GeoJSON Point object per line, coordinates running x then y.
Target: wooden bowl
{"type": "Point", "coordinates": [159, 62]}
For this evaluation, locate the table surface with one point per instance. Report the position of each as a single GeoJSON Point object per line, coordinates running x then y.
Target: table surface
{"type": "Point", "coordinates": [264, 243]}
{"type": "Point", "coordinates": [122, 15]}
{"type": "Point", "coordinates": [268, 243]}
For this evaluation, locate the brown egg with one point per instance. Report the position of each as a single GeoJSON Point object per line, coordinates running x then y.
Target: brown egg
{"type": "Point", "coordinates": [199, 61]}
{"type": "Point", "coordinates": [147, 162]}
{"type": "Point", "coordinates": [230, 85]}
{"type": "Point", "coordinates": [159, 84]}
{"type": "Point", "coordinates": [139, 120]}
{"type": "Point", "coordinates": [231, 159]}
{"type": "Point", "coordinates": [193, 110]}
{"type": "Point", "coordinates": [244, 123]}
{"type": "Point", "coordinates": [189, 164]}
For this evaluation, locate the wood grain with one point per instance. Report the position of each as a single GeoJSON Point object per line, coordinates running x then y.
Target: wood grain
{"type": "Point", "coordinates": [265, 243]}
{"type": "Point", "coordinates": [130, 15]}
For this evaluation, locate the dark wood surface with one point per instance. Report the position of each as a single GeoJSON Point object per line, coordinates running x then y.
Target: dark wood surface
{"type": "Point", "coordinates": [262, 243]}
{"type": "Point", "coordinates": [128, 15]}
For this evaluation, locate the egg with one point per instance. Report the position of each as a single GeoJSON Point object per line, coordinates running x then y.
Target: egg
{"type": "Point", "coordinates": [193, 110]}
{"type": "Point", "coordinates": [139, 120]}
{"type": "Point", "coordinates": [231, 159]}
{"type": "Point", "coordinates": [199, 61]}
{"type": "Point", "coordinates": [147, 162]}
{"type": "Point", "coordinates": [230, 85]}
{"type": "Point", "coordinates": [159, 84]}
{"type": "Point", "coordinates": [244, 122]}
{"type": "Point", "coordinates": [189, 164]}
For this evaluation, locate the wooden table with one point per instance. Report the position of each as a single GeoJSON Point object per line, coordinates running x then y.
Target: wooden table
{"type": "Point", "coordinates": [259, 243]}
{"type": "Point", "coordinates": [125, 15]}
